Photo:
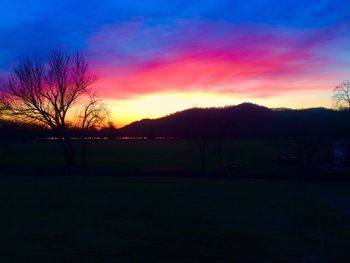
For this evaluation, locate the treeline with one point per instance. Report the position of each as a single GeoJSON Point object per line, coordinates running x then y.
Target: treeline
{"type": "Point", "coordinates": [11, 130]}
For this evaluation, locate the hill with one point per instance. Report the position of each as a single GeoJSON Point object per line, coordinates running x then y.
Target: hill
{"type": "Point", "coordinates": [243, 120]}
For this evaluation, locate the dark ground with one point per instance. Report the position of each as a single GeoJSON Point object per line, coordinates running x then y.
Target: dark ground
{"type": "Point", "coordinates": [254, 158]}
{"type": "Point", "coordinates": [84, 218]}
{"type": "Point", "coordinates": [109, 219]}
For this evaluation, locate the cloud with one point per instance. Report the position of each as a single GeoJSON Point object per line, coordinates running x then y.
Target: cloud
{"type": "Point", "coordinates": [134, 58]}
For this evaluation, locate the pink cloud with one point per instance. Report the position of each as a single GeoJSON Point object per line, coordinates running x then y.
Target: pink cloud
{"type": "Point", "coordinates": [215, 58]}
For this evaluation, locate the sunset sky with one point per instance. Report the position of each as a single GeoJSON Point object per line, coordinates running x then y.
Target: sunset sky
{"type": "Point", "coordinates": [156, 57]}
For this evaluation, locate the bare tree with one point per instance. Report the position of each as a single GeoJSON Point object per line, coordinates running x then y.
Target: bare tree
{"type": "Point", "coordinates": [202, 143]}
{"type": "Point", "coordinates": [91, 115]}
{"type": "Point", "coordinates": [2, 108]}
{"type": "Point", "coordinates": [2, 113]}
{"type": "Point", "coordinates": [45, 92]}
{"type": "Point", "coordinates": [2, 101]}
{"type": "Point", "coordinates": [342, 94]}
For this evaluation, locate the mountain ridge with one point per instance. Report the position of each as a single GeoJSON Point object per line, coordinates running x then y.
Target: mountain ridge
{"type": "Point", "coordinates": [243, 120]}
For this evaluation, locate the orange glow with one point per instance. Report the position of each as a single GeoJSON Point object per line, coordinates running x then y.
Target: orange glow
{"type": "Point", "coordinates": [126, 111]}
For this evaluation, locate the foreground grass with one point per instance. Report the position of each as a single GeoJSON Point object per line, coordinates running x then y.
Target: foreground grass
{"type": "Point", "coordinates": [108, 219]}
{"type": "Point", "coordinates": [255, 157]}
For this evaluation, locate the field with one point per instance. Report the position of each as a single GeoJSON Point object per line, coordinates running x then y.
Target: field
{"type": "Point", "coordinates": [115, 219]}
{"type": "Point", "coordinates": [170, 218]}
{"type": "Point", "coordinates": [256, 158]}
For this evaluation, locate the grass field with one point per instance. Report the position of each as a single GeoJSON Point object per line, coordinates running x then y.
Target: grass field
{"type": "Point", "coordinates": [114, 219]}
{"type": "Point", "coordinates": [256, 157]}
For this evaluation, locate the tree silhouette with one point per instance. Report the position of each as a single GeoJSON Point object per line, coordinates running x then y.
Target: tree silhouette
{"type": "Point", "coordinates": [201, 135]}
{"type": "Point", "coordinates": [2, 103]}
{"type": "Point", "coordinates": [342, 94]}
{"type": "Point", "coordinates": [111, 130]}
{"type": "Point", "coordinates": [46, 92]}
{"type": "Point", "coordinates": [91, 115]}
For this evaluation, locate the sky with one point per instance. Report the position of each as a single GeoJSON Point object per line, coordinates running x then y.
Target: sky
{"type": "Point", "coordinates": [152, 58]}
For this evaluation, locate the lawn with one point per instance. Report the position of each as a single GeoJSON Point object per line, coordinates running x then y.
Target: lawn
{"type": "Point", "coordinates": [255, 157]}
{"type": "Point", "coordinates": [116, 219]}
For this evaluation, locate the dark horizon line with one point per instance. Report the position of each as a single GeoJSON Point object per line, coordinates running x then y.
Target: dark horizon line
{"type": "Point", "coordinates": [229, 106]}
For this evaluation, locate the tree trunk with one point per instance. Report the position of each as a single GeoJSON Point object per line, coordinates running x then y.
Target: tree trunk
{"type": "Point", "coordinates": [202, 145]}
{"type": "Point", "coordinates": [64, 151]}
{"type": "Point", "coordinates": [220, 151]}
{"type": "Point", "coordinates": [83, 152]}
{"type": "Point", "coordinates": [71, 152]}
{"type": "Point", "coordinates": [68, 152]}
